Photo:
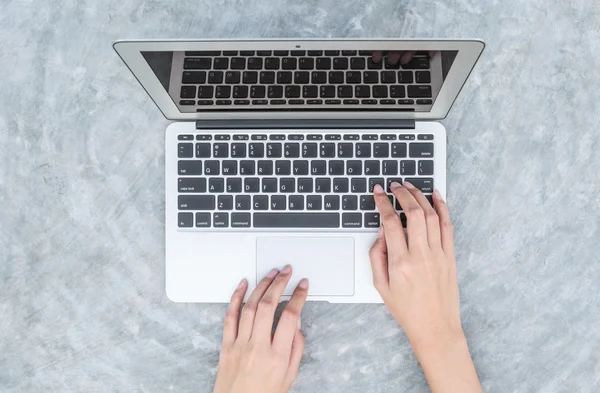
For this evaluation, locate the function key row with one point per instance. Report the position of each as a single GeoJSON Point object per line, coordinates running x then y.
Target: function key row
{"type": "Point", "coordinates": [309, 137]}
{"type": "Point", "coordinates": [210, 53]}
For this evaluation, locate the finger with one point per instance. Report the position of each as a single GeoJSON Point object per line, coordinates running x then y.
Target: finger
{"type": "Point", "coordinates": [415, 219]}
{"type": "Point", "coordinates": [407, 56]}
{"type": "Point", "coordinates": [432, 221]}
{"type": "Point", "coordinates": [290, 317]}
{"type": "Point", "coordinates": [431, 53]}
{"type": "Point", "coordinates": [447, 233]}
{"type": "Point", "coordinates": [295, 357]}
{"type": "Point", "coordinates": [377, 56]}
{"type": "Point", "coordinates": [379, 262]}
{"type": "Point", "coordinates": [232, 317]}
{"type": "Point", "coordinates": [393, 57]}
{"type": "Point", "coordinates": [249, 310]}
{"type": "Point", "coordinates": [394, 233]}
{"type": "Point", "coordinates": [265, 314]}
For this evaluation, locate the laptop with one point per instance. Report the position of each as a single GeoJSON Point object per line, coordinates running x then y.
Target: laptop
{"type": "Point", "coordinates": [275, 148]}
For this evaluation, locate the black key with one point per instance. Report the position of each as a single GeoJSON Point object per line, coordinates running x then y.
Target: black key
{"type": "Point", "coordinates": [390, 167]}
{"type": "Point", "coordinates": [368, 102]}
{"type": "Point", "coordinates": [275, 92]}
{"type": "Point", "coordinates": [229, 168]}
{"type": "Point", "coordinates": [247, 167]}
{"type": "Point", "coordinates": [269, 184]}
{"type": "Point", "coordinates": [238, 150]}
{"type": "Point", "coordinates": [274, 150]}
{"type": "Point", "coordinates": [271, 63]}
{"type": "Point", "coordinates": [202, 220]}
{"type": "Point", "coordinates": [336, 167]}
{"type": "Point", "coordinates": [287, 185]}
{"type": "Point", "coordinates": [318, 167]}
{"type": "Point", "coordinates": [306, 63]}
{"type": "Point", "coordinates": [283, 168]}
{"type": "Point", "coordinates": [215, 77]}
{"type": "Point", "coordinates": [420, 150]}
{"type": "Point", "coordinates": [292, 91]}
{"type": "Point", "coordinates": [216, 184]}
{"type": "Point", "coordinates": [380, 91]}
{"type": "Point", "coordinates": [300, 167]}
{"type": "Point", "coordinates": [222, 137]}
{"type": "Point", "coordinates": [395, 66]}
{"type": "Point", "coordinates": [263, 53]}
{"type": "Point", "coordinates": [278, 202]}
{"type": "Point", "coordinates": [354, 168]}
{"type": "Point", "coordinates": [349, 202]}
{"type": "Point", "coordinates": [314, 137]}
{"type": "Point", "coordinates": [327, 91]}
{"type": "Point", "coordinates": [234, 185]}
{"type": "Point", "coordinates": [221, 63]}
{"type": "Point", "coordinates": [406, 102]}
{"type": "Point", "coordinates": [362, 91]}
{"type": "Point", "coordinates": [424, 102]}
{"type": "Point", "coordinates": [358, 184]}
{"type": "Point", "coordinates": [362, 150]}
{"type": "Point", "coordinates": [185, 220]}
{"type": "Point", "coordinates": [397, 91]}
{"type": "Point", "coordinates": [406, 137]}
{"type": "Point", "coordinates": [340, 63]}
{"type": "Point", "coordinates": [417, 63]}
{"type": "Point", "coordinates": [230, 53]}
{"type": "Point", "coordinates": [425, 167]}
{"type": "Point", "coordinates": [250, 77]}
{"type": "Point", "coordinates": [238, 63]}
{"type": "Point", "coordinates": [387, 102]}
{"type": "Point", "coordinates": [351, 220]}
{"type": "Point", "coordinates": [309, 150]}
{"type": "Point", "coordinates": [277, 102]}
{"type": "Point", "coordinates": [255, 63]}
{"type": "Point", "coordinates": [332, 202]}
{"type": "Point", "coordinates": [310, 92]}
{"type": "Point", "coordinates": [407, 167]}
{"type": "Point", "coordinates": [220, 220]}
{"type": "Point", "coordinates": [314, 202]}
{"type": "Point", "coordinates": [291, 150]}
{"type": "Point", "coordinates": [423, 137]}
{"type": "Point", "coordinates": [424, 184]}
{"type": "Point", "coordinates": [358, 63]}
{"type": "Point", "coordinates": [340, 185]}
{"type": "Point", "coordinates": [371, 77]}
{"type": "Point", "coordinates": [240, 220]}
{"type": "Point", "coordinates": [332, 53]}
{"type": "Point", "coordinates": [240, 91]}
{"type": "Point", "coordinates": [187, 102]}
{"type": "Point", "coordinates": [367, 202]}
{"type": "Point", "coordinates": [333, 137]}
{"type": "Point", "coordinates": [211, 168]}
{"type": "Point", "coordinates": [376, 180]}
{"type": "Point", "coordinates": [398, 150]}
{"type": "Point", "coordinates": [196, 77]}
{"type": "Point", "coordinates": [196, 202]}
{"type": "Point", "coordinates": [419, 91]}
{"type": "Point", "coordinates": [203, 53]}
{"type": "Point", "coordinates": [246, 53]}
{"type": "Point", "coordinates": [225, 202]}
{"type": "Point", "coordinates": [345, 150]}
{"type": "Point", "coordinates": [336, 77]}
{"type": "Point", "coordinates": [256, 150]}
{"type": "Point", "coordinates": [301, 77]}
{"type": "Point", "coordinates": [429, 199]}
{"type": "Point", "coordinates": [288, 63]}
{"type": "Point", "coordinates": [353, 77]}
{"type": "Point", "coordinates": [371, 167]}
{"type": "Point", "coordinates": [318, 77]}
{"type": "Point", "coordinates": [372, 220]}
{"type": "Point", "coordinates": [284, 77]}
{"type": "Point", "coordinates": [205, 91]}
{"type": "Point", "coordinates": [315, 53]}
{"type": "Point", "coordinates": [388, 77]}
{"type": "Point", "coordinates": [348, 53]}
{"type": "Point", "coordinates": [257, 92]}
{"type": "Point", "coordinates": [388, 137]}
{"type": "Point", "coordinates": [241, 102]}
{"type": "Point", "coordinates": [296, 220]}
{"type": "Point", "coordinates": [298, 53]}
{"type": "Point", "coordinates": [295, 137]}
{"type": "Point", "coordinates": [223, 102]}
{"type": "Point", "coordinates": [381, 150]}
{"type": "Point", "coordinates": [374, 66]}
{"type": "Point", "coordinates": [296, 202]}
{"type": "Point", "coordinates": [351, 137]}
{"type": "Point", "coordinates": [323, 185]}
{"type": "Point", "coordinates": [323, 63]}
{"type": "Point", "coordinates": [220, 150]}
{"type": "Point", "coordinates": [390, 180]}
{"type": "Point", "coordinates": [260, 202]}
{"type": "Point", "coordinates": [264, 167]}
{"type": "Point", "coordinates": [333, 102]}
{"type": "Point", "coordinates": [369, 137]}
{"type": "Point", "coordinates": [187, 168]}
{"type": "Point", "coordinates": [344, 91]}
{"type": "Point", "coordinates": [185, 150]}
{"type": "Point", "coordinates": [405, 77]}
{"type": "Point", "coordinates": [251, 184]}
{"type": "Point", "coordinates": [305, 185]}
{"type": "Point", "coordinates": [191, 185]}
{"type": "Point", "coordinates": [327, 150]}
{"type": "Point", "coordinates": [223, 91]}
{"type": "Point", "coordinates": [242, 202]}
{"type": "Point", "coordinates": [267, 77]}
{"type": "Point", "coordinates": [281, 53]}
{"type": "Point", "coordinates": [197, 64]}
{"type": "Point", "coordinates": [188, 92]}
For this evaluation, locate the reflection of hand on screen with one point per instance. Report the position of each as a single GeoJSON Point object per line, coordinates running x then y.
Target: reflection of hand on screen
{"type": "Point", "coordinates": [395, 56]}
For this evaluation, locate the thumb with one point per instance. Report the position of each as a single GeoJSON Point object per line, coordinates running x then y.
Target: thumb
{"type": "Point", "coordinates": [379, 262]}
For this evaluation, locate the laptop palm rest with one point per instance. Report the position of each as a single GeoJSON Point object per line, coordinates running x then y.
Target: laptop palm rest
{"type": "Point", "coordinates": [327, 262]}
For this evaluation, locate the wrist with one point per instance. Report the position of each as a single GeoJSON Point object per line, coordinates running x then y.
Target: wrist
{"type": "Point", "coordinates": [438, 342]}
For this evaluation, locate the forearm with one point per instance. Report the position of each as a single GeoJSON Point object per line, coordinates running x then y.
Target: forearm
{"type": "Point", "coordinates": [447, 365]}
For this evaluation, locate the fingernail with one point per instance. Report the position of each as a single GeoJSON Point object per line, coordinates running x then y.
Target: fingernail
{"type": "Point", "coordinates": [242, 284]}
{"type": "Point", "coordinates": [286, 270]}
{"type": "Point", "coordinates": [303, 283]}
{"type": "Point", "coordinates": [437, 195]}
{"type": "Point", "coordinates": [299, 324]}
{"type": "Point", "coordinates": [395, 184]}
{"type": "Point", "coordinates": [378, 189]}
{"type": "Point", "coordinates": [408, 184]}
{"type": "Point", "coordinates": [272, 273]}
{"type": "Point", "coordinates": [405, 58]}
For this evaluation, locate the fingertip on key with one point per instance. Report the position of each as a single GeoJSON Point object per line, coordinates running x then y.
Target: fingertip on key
{"type": "Point", "coordinates": [377, 189]}
{"type": "Point", "coordinates": [408, 184]}
{"type": "Point", "coordinates": [395, 184]}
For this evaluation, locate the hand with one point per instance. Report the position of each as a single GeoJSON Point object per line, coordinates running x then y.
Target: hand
{"type": "Point", "coordinates": [393, 57]}
{"type": "Point", "coordinates": [252, 359]}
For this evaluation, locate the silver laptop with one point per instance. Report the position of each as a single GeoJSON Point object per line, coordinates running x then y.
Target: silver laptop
{"type": "Point", "coordinates": [275, 148]}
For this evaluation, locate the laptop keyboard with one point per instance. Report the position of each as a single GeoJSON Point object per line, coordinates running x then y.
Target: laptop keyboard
{"type": "Point", "coordinates": [302, 78]}
{"type": "Point", "coordinates": [302, 180]}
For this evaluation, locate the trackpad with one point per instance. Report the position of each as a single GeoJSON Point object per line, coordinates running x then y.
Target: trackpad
{"type": "Point", "coordinates": [327, 262]}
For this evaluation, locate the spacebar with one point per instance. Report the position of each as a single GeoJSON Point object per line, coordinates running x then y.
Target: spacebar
{"type": "Point", "coordinates": [296, 220]}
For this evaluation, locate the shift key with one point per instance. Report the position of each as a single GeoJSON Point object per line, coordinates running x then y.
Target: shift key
{"type": "Point", "coordinates": [196, 202]}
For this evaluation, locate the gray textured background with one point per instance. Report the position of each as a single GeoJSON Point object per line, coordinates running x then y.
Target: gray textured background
{"type": "Point", "coordinates": [82, 300]}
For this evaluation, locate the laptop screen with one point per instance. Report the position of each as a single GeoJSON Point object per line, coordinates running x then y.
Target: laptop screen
{"type": "Point", "coordinates": [302, 80]}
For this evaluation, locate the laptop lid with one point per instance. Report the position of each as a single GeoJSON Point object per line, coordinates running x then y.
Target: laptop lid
{"type": "Point", "coordinates": [159, 66]}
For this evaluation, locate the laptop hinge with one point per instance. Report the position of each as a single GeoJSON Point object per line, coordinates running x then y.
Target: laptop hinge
{"type": "Point", "coordinates": [254, 124]}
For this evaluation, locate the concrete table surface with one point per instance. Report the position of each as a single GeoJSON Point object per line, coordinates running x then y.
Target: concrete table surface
{"type": "Point", "coordinates": [82, 299]}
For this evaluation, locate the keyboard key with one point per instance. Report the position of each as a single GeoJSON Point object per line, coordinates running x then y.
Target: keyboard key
{"type": "Point", "coordinates": [340, 185]}
{"type": "Point", "coordinates": [298, 53]}
{"type": "Point", "coordinates": [354, 168]}
{"type": "Point", "coordinates": [274, 150]}
{"type": "Point", "coordinates": [397, 91]}
{"type": "Point", "coordinates": [287, 185]}
{"type": "Point", "coordinates": [351, 137]}
{"type": "Point", "coordinates": [301, 77]}
{"type": "Point", "coordinates": [424, 184]}
{"type": "Point", "coordinates": [424, 102]}
{"type": "Point", "coordinates": [203, 53]}
{"type": "Point", "coordinates": [197, 64]}
{"type": "Point", "coordinates": [314, 102]}
{"type": "Point", "coordinates": [327, 91]}
{"type": "Point", "coordinates": [238, 150]}
{"type": "Point", "coordinates": [309, 150]}
{"type": "Point", "coordinates": [265, 167]}
{"type": "Point", "coordinates": [390, 167]}
{"type": "Point", "coordinates": [255, 63]}
{"type": "Point", "coordinates": [188, 92]}
{"type": "Point", "coordinates": [362, 91]}
{"type": "Point", "coordinates": [305, 184]}
{"type": "Point", "coordinates": [387, 102]}
{"type": "Point", "coordinates": [225, 202]}
{"type": "Point", "coordinates": [417, 63]}
{"type": "Point", "coordinates": [306, 63]}
{"type": "Point", "coordinates": [315, 53]}
{"type": "Point", "coordinates": [300, 167]}
{"type": "Point", "coordinates": [271, 63]}
{"type": "Point", "coordinates": [367, 202]}
{"type": "Point", "coordinates": [296, 137]}
{"type": "Point", "coordinates": [318, 77]}
{"type": "Point", "coordinates": [288, 63]}
{"type": "Point", "coordinates": [215, 77]}
{"type": "Point", "coordinates": [323, 63]}
{"type": "Point", "coordinates": [374, 66]}
{"type": "Point", "coordinates": [260, 202]}
{"type": "Point", "coordinates": [344, 91]}
{"type": "Point", "coordinates": [358, 184]}
{"type": "Point", "coordinates": [296, 220]}
{"type": "Point", "coordinates": [220, 150]}
{"type": "Point", "coordinates": [381, 150]}
{"type": "Point", "coordinates": [406, 137]}
{"type": "Point", "coordinates": [240, 220]}
{"type": "Point", "coordinates": [195, 77]}
{"type": "Point", "coordinates": [420, 150]}
{"type": "Point", "coordinates": [277, 137]}
{"type": "Point", "coordinates": [216, 184]}
{"type": "Point", "coordinates": [388, 137]}
{"type": "Point", "coordinates": [318, 167]}
{"type": "Point", "coordinates": [220, 220]}
{"type": "Point", "coordinates": [353, 77]}
{"type": "Point", "coordinates": [333, 137]}
{"type": "Point", "coordinates": [284, 77]}
{"type": "Point", "coordinates": [345, 150]}
{"type": "Point", "coordinates": [185, 150]}
{"type": "Point", "coordinates": [395, 66]}
{"type": "Point", "coordinates": [283, 168]}
{"type": "Point", "coordinates": [223, 91]}
{"type": "Point", "coordinates": [398, 150]}
{"type": "Point", "coordinates": [390, 180]}
{"type": "Point", "coordinates": [196, 202]}
{"type": "Point", "coordinates": [340, 63]}
{"type": "Point", "coordinates": [247, 168]}
{"type": "Point", "coordinates": [358, 63]}
{"type": "Point", "coordinates": [372, 220]}
{"type": "Point", "coordinates": [349, 202]}
{"type": "Point", "coordinates": [187, 102]}
{"type": "Point", "coordinates": [407, 167]}
{"type": "Point", "coordinates": [333, 102]}
{"type": "Point", "coordinates": [310, 91]}
{"type": "Point", "coordinates": [296, 202]}
{"type": "Point", "coordinates": [238, 63]}
{"type": "Point", "coordinates": [269, 184]}
{"type": "Point", "coordinates": [241, 102]}
{"type": "Point", "coordinates": [223, 102]}
{"type": "Point", "coordinates": [405, 77]}
{"type": "Point", "coordinates": [351, 220]}
{"type": "Point", "coordinates": [185, 220]}
{"type": "Point", "coordinates": [336, 77]}
{"type": "Point", "coordinates": [221, 63]}
{"type": "Point", "coordinates": [263, 53]}
{"type": "Point", "coordinates": [327, 150]}
{"type": "Point", "coordinates": [251, 184]}
{"type": "Point", "coordinates": [322, 185]}
{"type": "Point", "coordinates": [188, 168]}
{"type": "Point", "coordinates": [332, 202]}
{"type": "Point", "coordinates": [240, 91]}
{"type": "Point", "coordinates": [425, 137]}
{"type": "Point", "coordinates": [291, 150]}
{"type": "Point", "coordinates": [242, 202]}
{"type": "Point", "coordinates": [380, 91]}
{"type": "Point", "coordinates": [278, 202]}
{"type": "Point", "coordinates": [292, 91]}
{"type": "Point", "coordinates": [336, 167]}
{"type": "Point", "coordinates": [375, 180]}
{"type": "Point", "coordinates": [230, 53]}
{"type": "Point", "coordinates": [416, 91]}
{"type": "Point", "coordinates": [229, 168]}
{"type": "Point", "coordinates": [406, 102]}
{"type": "Point", "coordinates": [369, 137]}
{"type": "Point", "coordinates": [372, 167]}
{"type": "Point", "coordinates": [388, 77]}
{"type": "Point", "coordinates": [267, 77]}
{"type": "Point", "coordinates": [256, 150]}
{"type": "Point", "coordinates": [205, 91]}
{"type": "Point", "coordinates": [275, 92]}
{"type": "Point", "coordinates": [425, 167]}
{"type": "Point", "coordinates": [202, 220]}
{"type": "Point", "coordinates": [211, 168]}
{"type": "Point", "coordinates": [234, 185]}
{"type": "Point", "coordinates": [250, 77]}
{"type": "Point", "coordinates": [281, 53]}
{"type": "Point", "coordinates": [362, 150]}
{"type": "Point", "coordinates": [191, 185]}
{"type": "Point", "coordinates": [314, 202]}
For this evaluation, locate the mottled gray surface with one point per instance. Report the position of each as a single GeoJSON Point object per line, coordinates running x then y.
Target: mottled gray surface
{"type": "Point", "coordinates": [82, 300]}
